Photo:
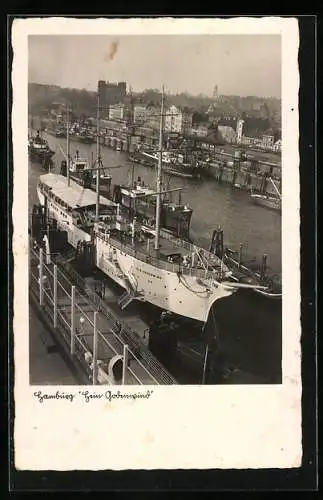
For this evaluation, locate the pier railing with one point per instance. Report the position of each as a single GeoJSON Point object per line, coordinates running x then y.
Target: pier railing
{"type": "Point", "coordinates": [126, 334]}
{"type": "Point", "coordinates": [105, 348]}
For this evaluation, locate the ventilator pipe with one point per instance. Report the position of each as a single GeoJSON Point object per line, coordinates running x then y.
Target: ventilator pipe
{"type": "Point", "coordinates": [115, 369]}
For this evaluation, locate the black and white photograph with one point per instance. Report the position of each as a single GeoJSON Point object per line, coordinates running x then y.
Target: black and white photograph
{"type": "Point", "coordinates": [155, 167]}
{"type": "Point", "coordinates": [155, 191]}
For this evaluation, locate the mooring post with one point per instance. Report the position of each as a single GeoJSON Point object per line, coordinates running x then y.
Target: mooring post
{"type": "Point", "coordinates": [55, 296]}
{"type": "Point", "coordinates": [41, 274]}
{"type": "Point", "coordinates": [263, 266]}
{"type": "Point", "coordinates": [95, 349]}
{"type": "Point", "coordinates": [73, 320]}
{"type": "Point", "coordinates": [240, 255]}
{"type": "Point", "coordinates": [125, 364]}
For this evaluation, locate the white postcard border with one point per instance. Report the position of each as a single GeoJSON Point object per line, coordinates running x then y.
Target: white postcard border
{"type": "Point", "coordinates": [183, 427]}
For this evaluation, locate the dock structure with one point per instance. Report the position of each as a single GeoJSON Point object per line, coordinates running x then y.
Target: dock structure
{"type": "Point", "coordinates": [98, 342]}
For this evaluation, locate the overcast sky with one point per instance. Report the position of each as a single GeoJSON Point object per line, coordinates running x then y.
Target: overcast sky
{"type": "Point", "coordinates": [238, 64]}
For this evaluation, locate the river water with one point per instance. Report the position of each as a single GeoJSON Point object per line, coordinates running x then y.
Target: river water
{"type": "Point", "coordinates": [249, 325]}
{"type": "Point", "coordinates": [257, 228]}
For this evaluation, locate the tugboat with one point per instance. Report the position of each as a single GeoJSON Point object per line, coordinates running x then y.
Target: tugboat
{"type": "Point", "coordinates": [80, 165]}
{"type": "Point", "coordinates": [39, 150]}
{"type": "Point", "coordinates": [268, 201]}
{"type": "Point", "coordinates": [242, 272]}
{"type": "Point", "coordinates": [140, 200]}
{"type": "Point", "coordinates": [172, 163]}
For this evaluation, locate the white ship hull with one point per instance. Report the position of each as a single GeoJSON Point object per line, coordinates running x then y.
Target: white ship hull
{"type": "Point", "coordinates": [181, 294]}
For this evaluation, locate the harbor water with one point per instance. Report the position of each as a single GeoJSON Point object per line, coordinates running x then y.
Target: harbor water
{"type": "Point", "coordinates": [257, 228]}
{"type": "Point", "coordinates": [249, 325]}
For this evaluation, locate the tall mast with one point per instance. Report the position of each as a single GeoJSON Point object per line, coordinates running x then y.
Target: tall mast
{"type": "Point", "coordinates": [159, 173]}
{"type": "Point", "coordinates": [98, 159]}
{"type": "Point", "coordinates": [68, 145]}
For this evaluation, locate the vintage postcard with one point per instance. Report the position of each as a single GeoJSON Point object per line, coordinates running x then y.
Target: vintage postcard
{"type": "Point", "coordinates": [156, 243]}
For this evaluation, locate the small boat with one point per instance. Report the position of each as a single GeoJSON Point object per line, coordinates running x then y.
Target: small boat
{"type": "Point", "coordinates": [248, 273]}
{"type": "Point", "coordinates": [60, 133]}
{"type": "Point", "coordinates": [178, 173]}
{"type": "Point", "coordinates": [243, 273]}
{"type": "Point", "coordinates": [79, 166]}
{"type": "Point", "coordinates": [86, 138]}
{"type": "Point", "coordinates": [39, 150]}
{"type": "Point", "coordinates": [173, 163]}
{"type": "Point", "coordinates": [266, 200]}
{"type": "Point", "coordinates": [105, 177]}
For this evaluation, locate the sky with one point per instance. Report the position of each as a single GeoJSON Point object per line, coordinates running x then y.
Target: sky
{"type": "Point", "coordinates": [238, 64]}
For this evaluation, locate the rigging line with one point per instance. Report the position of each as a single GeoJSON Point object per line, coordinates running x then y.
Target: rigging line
{"type": "Point", "coordinates": [180, 280]}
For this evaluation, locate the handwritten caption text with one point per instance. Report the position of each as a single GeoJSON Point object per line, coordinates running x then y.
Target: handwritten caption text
{"type": "Point", "coordinates": [88, 396]}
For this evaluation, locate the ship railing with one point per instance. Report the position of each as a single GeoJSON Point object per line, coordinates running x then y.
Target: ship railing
{"type": "Point", "coordinates": [204, 274]}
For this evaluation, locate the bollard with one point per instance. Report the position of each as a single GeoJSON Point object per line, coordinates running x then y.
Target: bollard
{"type": "Point", "coordinates": [263, 266]}
{"type": "Point", "coordinates": [55, 296]}
{"type": "Point", "coordinates": [95, 350]}
{"type": "Point", "coordinates": [41, 268]}
{"type": "Point", "coordinates": [125, 364]}
{"type": "Point", "coordinates": [73, 320]}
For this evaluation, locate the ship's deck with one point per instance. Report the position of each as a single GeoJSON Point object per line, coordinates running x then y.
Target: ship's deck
{"type": "Point", "coordinates": [173, 252]}
{"type": "Point", "coordinates": [167, 249]}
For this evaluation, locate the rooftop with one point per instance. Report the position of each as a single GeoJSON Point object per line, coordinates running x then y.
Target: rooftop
{"type": "Point", "coordinates": [74, 195]}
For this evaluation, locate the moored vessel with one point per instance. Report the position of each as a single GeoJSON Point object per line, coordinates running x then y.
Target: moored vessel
{"type": "Point", "coordinates": [247, 272]}
{"type": "Point", "coordinates": [86, 138]}
{"type": "Point", "coordinates": [39, 150]}
{"type": "Point", "coordinates": [268, 201]}
{"type": "Point", "coordinates": [150, 264]}
{"type": "Point", "coordinates": [140, 201]}
{"type": "Point", "coordinates": [172, 163]}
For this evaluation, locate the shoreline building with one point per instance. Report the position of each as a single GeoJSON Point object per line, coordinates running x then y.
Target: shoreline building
{"type": "Point", "coordinates": [117, 112]}
{"type": "Point", "coordinates": [239, 130]}
{"type": "Point", "coordinates": [111, 93]}
{"type": "Point", "coordinates": [178, 120]}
